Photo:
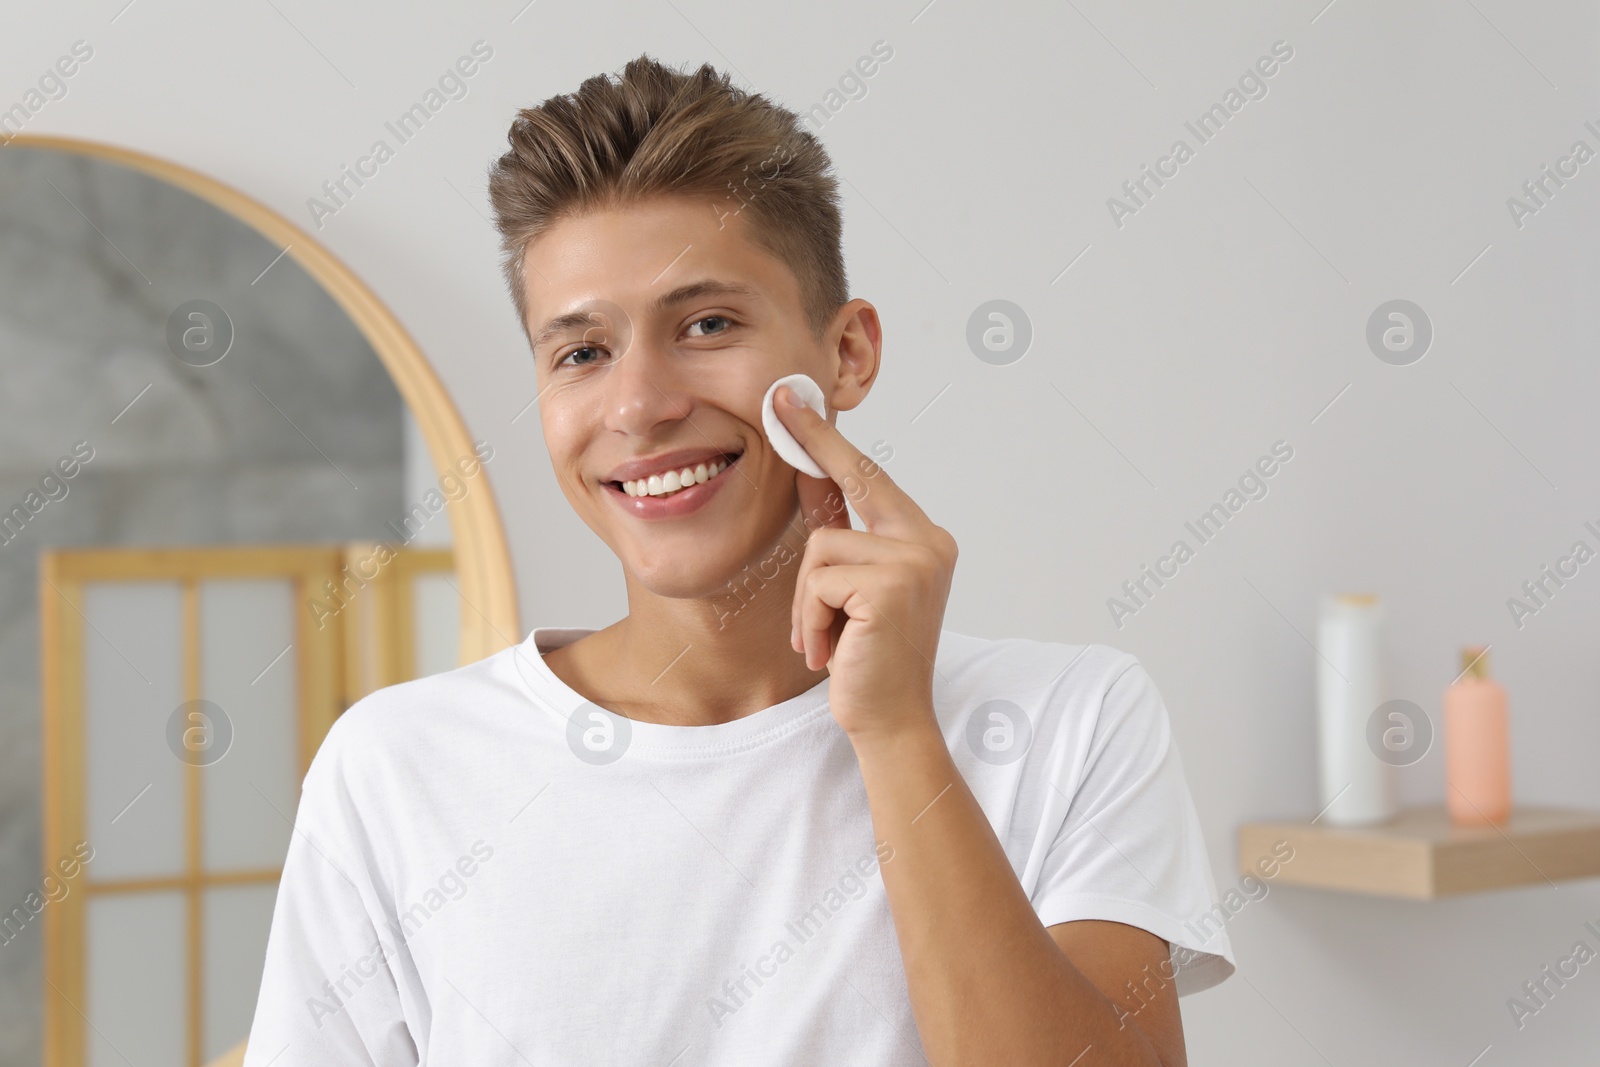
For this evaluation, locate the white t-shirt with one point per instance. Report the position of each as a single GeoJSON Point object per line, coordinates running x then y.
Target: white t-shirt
{"type": "Point", "coordinates": [487, 869]}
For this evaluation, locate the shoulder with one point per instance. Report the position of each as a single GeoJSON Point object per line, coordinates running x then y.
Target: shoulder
{"type": "Point", "coordinates": [395, 728]}
{"type": "Point", "coordinates": [1055, 673]}
{"type": "Point", "coordinates": [1076, 697]}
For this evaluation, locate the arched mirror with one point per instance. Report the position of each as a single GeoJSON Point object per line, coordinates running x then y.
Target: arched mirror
{"type": "Point", "coordinates": [234, 498]}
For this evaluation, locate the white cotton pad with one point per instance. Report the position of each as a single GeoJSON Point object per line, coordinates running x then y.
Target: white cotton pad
{"type": "Point", "coordinates": [783, 442]}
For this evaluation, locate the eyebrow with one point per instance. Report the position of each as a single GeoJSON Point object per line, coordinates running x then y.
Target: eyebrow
{"type": "Point", "coordinates": [572, 320]}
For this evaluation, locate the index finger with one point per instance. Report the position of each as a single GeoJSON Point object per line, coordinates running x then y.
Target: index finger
{"type": "Point", "coordinates": [877, 499]}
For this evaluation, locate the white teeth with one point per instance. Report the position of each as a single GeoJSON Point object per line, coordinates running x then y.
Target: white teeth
{"type": "Point", "coordinates": [672, 481]}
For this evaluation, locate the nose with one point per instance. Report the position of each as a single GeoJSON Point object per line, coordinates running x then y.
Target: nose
{"type": "Point", "coordinates": [644, 389]}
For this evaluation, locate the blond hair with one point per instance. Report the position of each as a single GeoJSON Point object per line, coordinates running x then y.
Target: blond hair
{"type": "Point", "coordinates": [655, 131]}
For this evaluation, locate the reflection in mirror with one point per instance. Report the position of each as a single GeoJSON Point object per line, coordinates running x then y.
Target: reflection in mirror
{"type": "Point", "coordinates": [170, 379]}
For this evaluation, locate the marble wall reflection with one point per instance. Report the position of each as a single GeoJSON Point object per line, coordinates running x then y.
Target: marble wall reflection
{"type": "Point", "coordinates": [296, 434]}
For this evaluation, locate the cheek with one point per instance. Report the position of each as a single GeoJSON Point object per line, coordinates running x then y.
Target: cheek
{"type": "Point", "coordinates": [564, 428]}
{"type": "Point", "coordinates": [566, 463]}
{"type": "Point", "coordinates": [738, 388]}
{"type": "Point", "coordinates": [732, 379]}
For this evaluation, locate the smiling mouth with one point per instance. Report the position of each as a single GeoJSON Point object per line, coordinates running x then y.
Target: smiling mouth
{"type": "Point", "coordinates": [668, 483]}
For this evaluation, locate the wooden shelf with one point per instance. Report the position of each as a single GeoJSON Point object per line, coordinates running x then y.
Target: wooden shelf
{"type": "Point", "coordinates": [1420, 855]}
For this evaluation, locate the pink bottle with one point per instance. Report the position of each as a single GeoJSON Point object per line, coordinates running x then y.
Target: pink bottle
{"type": "Point", "coordinates": [1477, 744]}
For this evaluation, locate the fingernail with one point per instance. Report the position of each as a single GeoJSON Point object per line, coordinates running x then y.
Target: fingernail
{"type": "Point", "coordinates": [786, 397]}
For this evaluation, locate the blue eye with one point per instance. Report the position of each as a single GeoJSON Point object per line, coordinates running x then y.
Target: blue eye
{"type": "Point", "coordinates": [711, 318]}
{"type": "Point", "coordinates": [578, 363]}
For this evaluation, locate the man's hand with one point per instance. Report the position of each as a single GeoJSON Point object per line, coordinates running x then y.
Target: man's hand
{"type": "Point", "coordinates": [987, 983]}
{"type": "Point", "coordinates": [868, 604]}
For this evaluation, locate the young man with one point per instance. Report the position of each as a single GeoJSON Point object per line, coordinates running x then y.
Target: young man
{"type": "Point", "coordinates": [776, 814]}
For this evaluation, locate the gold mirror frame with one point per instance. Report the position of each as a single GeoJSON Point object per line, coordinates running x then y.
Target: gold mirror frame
{"type": "Point", "coordinates": [483, 560]}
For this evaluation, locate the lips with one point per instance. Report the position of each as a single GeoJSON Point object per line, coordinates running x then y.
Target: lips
{"type": "Point", "coordinates": [676, 480]}
{"type": "Point", "coordinates": [676, 503]}
{"type": "Point", "coordinates": [666, 462]}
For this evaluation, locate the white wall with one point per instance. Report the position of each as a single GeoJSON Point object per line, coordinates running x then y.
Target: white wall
{"type": "Point", "coordinates": [1222, 317]}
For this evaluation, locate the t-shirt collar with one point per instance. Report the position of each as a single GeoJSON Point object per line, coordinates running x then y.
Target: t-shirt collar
{"type": "Point", "coordinates": [659, 740]}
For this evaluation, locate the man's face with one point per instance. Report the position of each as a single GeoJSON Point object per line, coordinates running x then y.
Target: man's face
{"type": "Point", "coordinates": [667, 373]}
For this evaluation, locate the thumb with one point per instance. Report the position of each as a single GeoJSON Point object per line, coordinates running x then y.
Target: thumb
{"type": "Point", "coordinates": [822, 503]}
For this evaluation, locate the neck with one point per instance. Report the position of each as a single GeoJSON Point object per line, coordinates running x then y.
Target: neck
{"type": "Point", "coordinates": [702, 660]}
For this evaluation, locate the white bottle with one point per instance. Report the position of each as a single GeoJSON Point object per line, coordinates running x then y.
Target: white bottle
{"type": "Point", "coordinates": [1356, 786]}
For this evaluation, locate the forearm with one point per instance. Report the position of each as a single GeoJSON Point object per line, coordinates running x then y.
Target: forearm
{"type": "Point", "coordinates": [987, 983]}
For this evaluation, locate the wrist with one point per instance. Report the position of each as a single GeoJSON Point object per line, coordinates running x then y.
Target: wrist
{"type": "Point", "coordinates": [909, 733]}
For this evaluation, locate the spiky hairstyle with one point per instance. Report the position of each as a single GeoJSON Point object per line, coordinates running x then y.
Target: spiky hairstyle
{"type": "Point", "coordinates": [655, 131]}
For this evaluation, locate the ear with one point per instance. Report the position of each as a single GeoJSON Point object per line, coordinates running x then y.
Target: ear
{"type": "Point", "coordinates": [856, 350]}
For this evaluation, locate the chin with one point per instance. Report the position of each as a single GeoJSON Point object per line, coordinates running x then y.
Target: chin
{"type": "Point", "coordinates": [680, 580]}
{"type": "Point", "coordinates": [699, 567]}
